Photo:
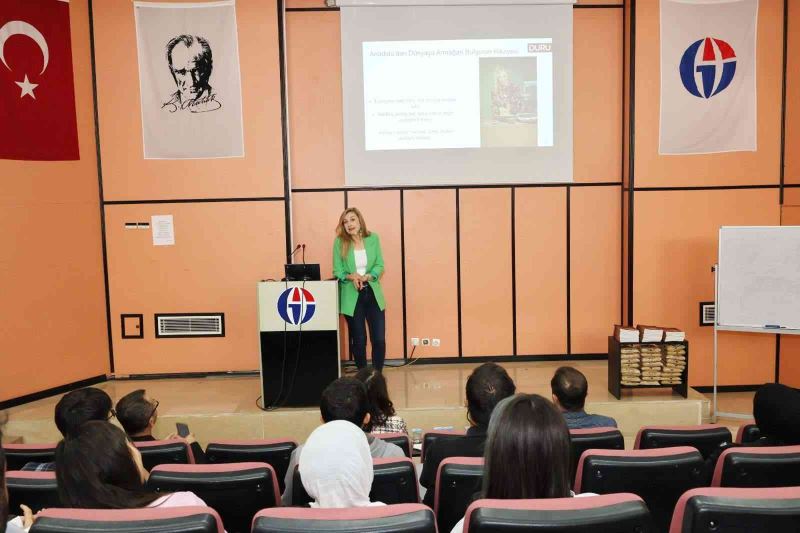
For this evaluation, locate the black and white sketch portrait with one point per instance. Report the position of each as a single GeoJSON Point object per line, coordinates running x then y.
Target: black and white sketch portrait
{"type": "Point", "coordinates": [190, 62]}
{"type": "Point", "coordinates": [189, 77]}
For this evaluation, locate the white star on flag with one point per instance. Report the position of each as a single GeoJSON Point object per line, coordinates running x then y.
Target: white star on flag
{"type": "Point", "coordinates": [27, 87]}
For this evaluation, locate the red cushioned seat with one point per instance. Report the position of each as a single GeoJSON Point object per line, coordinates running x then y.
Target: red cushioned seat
{"type": "Point", "coordinates": [748, 433]}
{"type": "Point", "coordinates": [155, 520]}
{"type": "Point", "coordinates": [705, 437]}
{"type": "Point", "coordinates": [275, 452]}
{"type": "Point", "coordinates": [612, 513]}
{"type": "Point", "coordinates": [236, 490]}
{"type": "Point", "coordinates": [729, 510]}
{"type": "Point", "coordinates": [457, 481]}
{"type": "Point", "coordinates": [158, 452]}
{"type": "Point", "coordinates": [432, 436]}
{"type": "Point", "coordinates": [753, 467]}
{"type": "Point", "coordinates": [37, 490]}
{"type": "Point", "coordinates": [399, 439]}
{"type": "Point", "coordinates": [18, 455]}
{"type": "Point", "coordinates": [400, 518]}
{"type": "Point", "coordinates": [602, 438]}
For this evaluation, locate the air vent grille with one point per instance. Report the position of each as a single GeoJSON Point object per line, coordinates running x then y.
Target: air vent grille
{"type": "Point", "coordinates": [708, 313]}
{"type": "Point", "coordinates": [190, 325]}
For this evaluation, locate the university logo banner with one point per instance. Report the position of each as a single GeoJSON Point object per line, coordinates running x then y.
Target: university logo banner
{"type": "Point", "coordinates": [37, 93]}
{"type": "Point", "coordinates": [189, 79]}
{"type": "Point", "coordinates": [708, 76]}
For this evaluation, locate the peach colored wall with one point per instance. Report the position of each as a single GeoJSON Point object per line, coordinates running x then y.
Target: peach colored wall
{"type": "Point", "coordinates": [792, 153]}
{"type": "Point", "coordinates": [51, 263]}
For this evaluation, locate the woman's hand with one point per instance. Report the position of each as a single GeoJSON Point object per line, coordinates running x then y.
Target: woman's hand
{"type": "Point", "coordinates": [27, 517]}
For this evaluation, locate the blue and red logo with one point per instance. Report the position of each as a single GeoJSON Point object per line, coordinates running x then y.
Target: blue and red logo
{"type": "Point", "coordinates": [716, 64]}
{"type": "Point", "coordinates": [296, 305]}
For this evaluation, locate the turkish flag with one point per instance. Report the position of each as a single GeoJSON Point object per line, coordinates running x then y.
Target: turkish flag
{"type": "Point", "coordinates": [37, 114]}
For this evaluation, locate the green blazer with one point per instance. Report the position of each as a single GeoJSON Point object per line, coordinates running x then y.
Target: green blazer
{"type": "Point", "coordinates": [348, 295]}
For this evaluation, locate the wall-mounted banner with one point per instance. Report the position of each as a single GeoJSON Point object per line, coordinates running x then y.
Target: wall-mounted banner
{"type": "Point", "coordinates": [37, 95]}
{"type": "Point", "coordinates": [708, 76]}
{"type": "Point", "coordinates": [189, 80]}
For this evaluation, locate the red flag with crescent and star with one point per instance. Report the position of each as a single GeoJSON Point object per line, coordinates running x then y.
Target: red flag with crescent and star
{"type": "Point", "coordinates": [37, 115]}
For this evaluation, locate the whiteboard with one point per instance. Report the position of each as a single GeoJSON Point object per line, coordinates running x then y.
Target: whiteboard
{"type": "Point", "coordinates": [759, 277]}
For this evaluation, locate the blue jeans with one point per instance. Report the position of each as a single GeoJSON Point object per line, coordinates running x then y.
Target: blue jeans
{"type": "Point", "coordinates": [367, 313]}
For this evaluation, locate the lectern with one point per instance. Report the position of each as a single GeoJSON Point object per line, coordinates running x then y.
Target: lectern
{"type": "Point", "coordinates": [299, 336]}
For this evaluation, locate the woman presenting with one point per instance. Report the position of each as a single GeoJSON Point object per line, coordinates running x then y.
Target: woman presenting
{"type": "Point", "coordinates": [358, 265]}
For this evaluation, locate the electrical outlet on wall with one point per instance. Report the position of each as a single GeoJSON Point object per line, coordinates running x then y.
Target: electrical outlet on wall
{"type": "Point", "coordinates": [426, 342]}
{"type": "Point", "coordinates": [436, 343]}
{"type": "Point", "coordinates": [414, 341]}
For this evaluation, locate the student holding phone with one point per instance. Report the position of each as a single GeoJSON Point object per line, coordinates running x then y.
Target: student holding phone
{"type": "Point", "coordinates": [138, 414]}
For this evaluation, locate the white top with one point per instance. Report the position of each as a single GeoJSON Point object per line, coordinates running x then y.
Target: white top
{"type": "Point", "coordinates": [361, 261]}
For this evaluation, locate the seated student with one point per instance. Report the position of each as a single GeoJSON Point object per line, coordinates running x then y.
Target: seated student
{"type": "Point", "coordinates": [486, 386]}
{"type": "Point", "coordinates": [569, 389]}
{"type": "Point", "coordinates": [338, 480]}
{"type": "Point", "coordinates": [344, 399]}
{"type": "Point", "coordinates": [21, 523]}
{"type": "Point", "coordinates": [527, 452]}
{"type": "Point", "coordinates": [72, 411]}
{"type": "Point", "coordinates": [382, 413]}
{"type": "Point", "coordinates": [99, 468]}
{"type": "Point", "coordinates": [138, 414]}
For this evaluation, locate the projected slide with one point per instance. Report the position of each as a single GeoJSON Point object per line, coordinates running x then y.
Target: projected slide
{"type": "Point", "coordinates": [474, 93]}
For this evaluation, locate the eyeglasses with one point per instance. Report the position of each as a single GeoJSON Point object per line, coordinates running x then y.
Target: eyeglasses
{"type": "Point", "coordinates": [111, 414]}
{"type": "Point", "coordinates": [155, 406]}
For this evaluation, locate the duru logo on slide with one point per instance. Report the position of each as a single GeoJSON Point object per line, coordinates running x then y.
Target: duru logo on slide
{"type": "Point", "coordinates": [296, 305]}
{"type": "Point", "coordinates": [717, 67]}
{"type": "Point", "coordinates": [539, 47]}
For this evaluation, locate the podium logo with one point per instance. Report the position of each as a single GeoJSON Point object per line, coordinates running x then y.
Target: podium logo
{"type": "Point", "coordinates": [296, 306]}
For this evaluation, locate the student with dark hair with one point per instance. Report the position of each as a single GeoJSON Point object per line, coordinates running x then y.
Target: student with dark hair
{"type": "Point", "coordinates": [486, 386]}
{"type": "Point", "coordinates": [382, 414]}
{"type": "Point", "coordinates": [527, 452]}
{"type": "Point", "coordinates": [137, 413]}
{"type": "Point", "coordinates": [344, 399]}
{"type": "Point", "coordinates": [72, 411]}
{"type": "Point", "coordinates": [99, 468]}
{"type": "Point", "coordinates": [569, 388]}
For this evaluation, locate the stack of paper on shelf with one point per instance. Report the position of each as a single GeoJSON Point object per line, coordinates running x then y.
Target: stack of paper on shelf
{"type": "Point", "coordinates": [630, 363]}
{"type": "Point", "coordinates": [674, 364]}
{"type": "Point", "coordinates": [626, 333]}
{"type": "Point", "coordinates": [674, 335]}
{"type": "Point", "coordinates": [650, 333]}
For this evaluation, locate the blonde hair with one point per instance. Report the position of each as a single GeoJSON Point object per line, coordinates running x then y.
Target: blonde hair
{"type": "Point", "coordinates": [344, 237]}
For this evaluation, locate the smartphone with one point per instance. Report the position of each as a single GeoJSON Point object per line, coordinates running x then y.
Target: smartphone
{"type": "Point", "coordinates": [183, 429]}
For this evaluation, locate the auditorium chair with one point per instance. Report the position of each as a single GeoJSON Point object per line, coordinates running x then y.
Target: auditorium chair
{"type": "Point", "coordinates": [748, 433]}
{"type": "Point", "coordinates": [159, 452]}
{"type": "Point", "coordinates": [398, 439]}
{"type": "Point", "coordinates": [457, 481]}
{"type": "Point", "coordinates": [736, 510]}
{"type": "Point", "coordinates": [152, 520]}
{"type": "Point", "coordinates": [705, 437]}
{"type": "Point", "coordinates": [755, 467]}
{"type": "Point", "coordinates": [236, 490]}
{"type": "Point", "coordinates": [394, 481]}
{"type": "Point", "coordinates": [37, 490]}
{"type": "Point", "coordinates": [400, 518]}
{"type": "Point", "coordinates": [658, 476]}
{"type": "Point", "coordinates": [430, 437]}
{"type": "Point", "coordinates": [611, 513]}
{"type": "Point", "coordinates": [18, 455]}
{"type": "Point", "coordinates": [274, 452]}
{"type": "Point", "coordinates": [603, 438]}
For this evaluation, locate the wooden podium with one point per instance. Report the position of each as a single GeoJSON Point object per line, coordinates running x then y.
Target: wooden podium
{"type": "Point", "coordinates": [299, 339]}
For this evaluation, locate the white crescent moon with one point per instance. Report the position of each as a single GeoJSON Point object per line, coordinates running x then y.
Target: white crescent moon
{"type": "Point", "coordinates": [18, 27]}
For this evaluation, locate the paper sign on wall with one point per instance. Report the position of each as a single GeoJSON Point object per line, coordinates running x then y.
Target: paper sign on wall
{"type": "Point", "coordinates": [163, 230]}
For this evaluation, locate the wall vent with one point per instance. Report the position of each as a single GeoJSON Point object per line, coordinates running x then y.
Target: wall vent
{"type": "Point", "coordinates": [708, 313]}
{"type": "Point", "coordinates": [190, 325]}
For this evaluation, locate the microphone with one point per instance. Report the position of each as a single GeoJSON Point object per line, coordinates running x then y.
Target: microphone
{"type": "Point", "coordinates": [289, 257]}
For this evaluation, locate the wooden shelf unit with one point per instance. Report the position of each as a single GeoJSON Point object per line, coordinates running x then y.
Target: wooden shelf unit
{"type": "Point", "coordinates": [615, 372]}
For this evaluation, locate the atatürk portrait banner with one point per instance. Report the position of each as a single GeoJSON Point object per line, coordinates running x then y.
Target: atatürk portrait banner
{"type": "Point", "coordinates": [189, 80]}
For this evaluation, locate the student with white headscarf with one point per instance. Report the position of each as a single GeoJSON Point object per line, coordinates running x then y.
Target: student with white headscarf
{"type": "Point", "coordinates": [342, 478]}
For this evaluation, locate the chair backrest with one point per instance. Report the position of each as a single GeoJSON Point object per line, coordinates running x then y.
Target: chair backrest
{"type": "Point", "coordinates": [748, 433]}
{"type": "Point", "coordinates": [658, 476]}
{"type": "Point", "coordinates": [705, 437]}
{"type": "Point", "coordinates": [274, 452]}
{"type": "Point", "coordinates": [159, 452]}
{"type": "Point", "coordinates": [457, 481]}
{"type": "Point", "coordinates": [394, 481]}
{"type": "Point", "coordinates": [430, 437]}
{"type": "Point", "coordinates": [37, 490]}
{"type": "Point", "coordinates": [17, 455]}
{"type": "Point", "coordinates": [724, 509]}
{"type": "Point", "coordinates": [152, 520]}
{"type": "Point", "coordinates": [593, 438]}
{"type": "Point", "coordinates": [398, 439]}
{"type": "Point", "coordinates": [236, 490]}
{"type": "Point", "coordinates": [755, 467]}
{"type": "Point", "coordinates": [400, 518]}
{"type": "Point", "coordinates": [612, 513]}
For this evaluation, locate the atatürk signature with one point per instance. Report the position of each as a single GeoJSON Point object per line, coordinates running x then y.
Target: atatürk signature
{"type": "Point", "coordinates": [204, 104]}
